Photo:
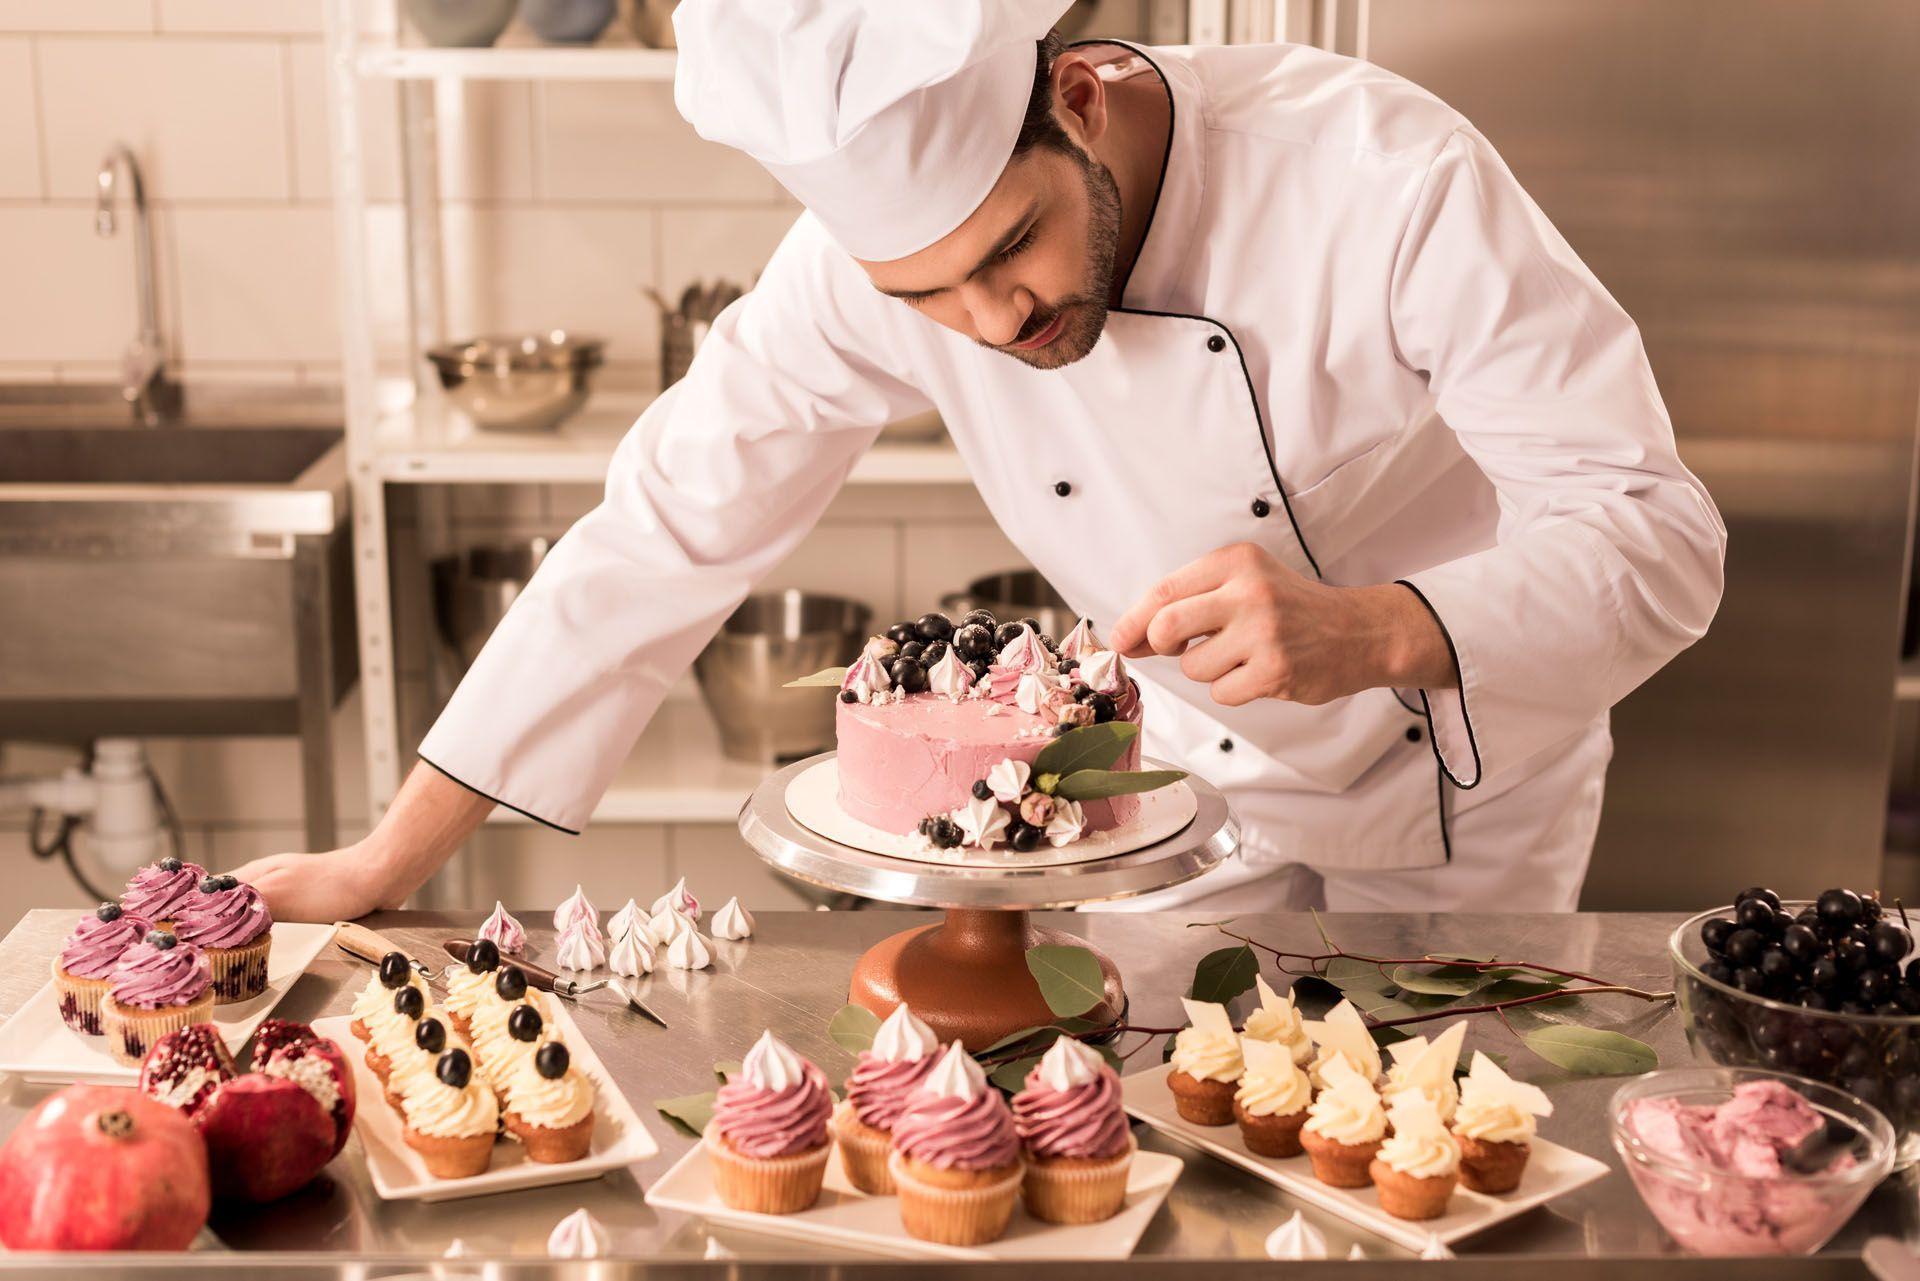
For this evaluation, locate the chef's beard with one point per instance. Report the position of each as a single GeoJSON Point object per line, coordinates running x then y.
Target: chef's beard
{"type": "Point", "coordinates": [1086, 309]}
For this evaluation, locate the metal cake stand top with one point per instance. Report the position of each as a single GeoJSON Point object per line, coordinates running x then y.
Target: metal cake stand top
{"type": "Point", "coordinates": [798, 851]}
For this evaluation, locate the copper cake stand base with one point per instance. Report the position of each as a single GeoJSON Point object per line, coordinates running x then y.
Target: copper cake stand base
{"type": "Point", "coordinates": [967, 977]}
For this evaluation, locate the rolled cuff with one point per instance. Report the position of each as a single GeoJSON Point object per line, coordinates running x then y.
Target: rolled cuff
{"type": "Point", "coordinates": [1449, 725]}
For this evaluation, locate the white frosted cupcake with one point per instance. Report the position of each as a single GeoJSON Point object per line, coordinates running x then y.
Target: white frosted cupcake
{"type": "Point", "coordinates": [549, 1105]}
{"type": "Point", "coordinates": [1495, 1125]}
{"type": "Point", "coordinates": [451, 1118]}
{"type": "Point", "coordinates": [1345, 1124]}
{"type": "Point", "coordinates": [1426, 1067]}
{"type": "Point", "coordinates": [1342, 1034]}
{"type": "Point", "coordinates": [1419, 1164]}
{"type": "Point", "coordinates": [1279, 1022]}
{"type": "Point", "coordinates": [1206, 1065]}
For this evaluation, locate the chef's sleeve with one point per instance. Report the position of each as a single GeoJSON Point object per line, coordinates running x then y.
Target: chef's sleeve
{"type": "Point", "coordinates": [1609, 554]}
{"type": "Point", "coordinates": [714, 485]}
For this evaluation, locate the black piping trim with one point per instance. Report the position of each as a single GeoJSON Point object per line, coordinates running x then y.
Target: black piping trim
{"type": "Point", "coordinates": [1440, 783]}
{"type": "Point", "coordinates": [1409, 706]}
{"type": "Point", "coordinates": [1166, 159]}
{"type": "Point", "coordinates": [497, 801]}
{"type": "Point", "coordinates": [1453, 654]}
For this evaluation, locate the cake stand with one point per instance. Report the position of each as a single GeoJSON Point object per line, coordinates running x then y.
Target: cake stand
{"type": "Point", "coordinates": [967, 975]}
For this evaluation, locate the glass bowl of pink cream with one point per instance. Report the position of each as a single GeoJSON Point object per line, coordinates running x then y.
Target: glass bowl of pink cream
{"type": "Point", "coordinates": [1743, 1161]}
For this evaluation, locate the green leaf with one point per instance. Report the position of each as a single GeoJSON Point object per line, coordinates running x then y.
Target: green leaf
{"type": "Point", "coordinates": [1224, 974]}
{"type": "Point", "coordinates": [1591, 1051]}
{"type": "Point", "coordinates": [1046, 782]}
{"type": "Point", "coordinates": [1069, 977]}
{"type": "Point", "coordinates": [1113, 1060]}
{"type": "Point", "coordinates": [726, 1069]}
{"type": "Point", "coordinates": [1011, 1076]}
{"type": "Point", "coordinates": [690, 1112]}
{"type": "Point", "coordinates": [1098, 784]}
{"type": "Point", "coordinates": [1385, 1036]}
{"type": "Point", "coordinates": [852, 1028]}
{"type": "Point", "coordinates": [1442, 980]}
{"type": "Point", "coordinates": [1347, 974]}
{"type": "Point", "coordinates": [1510, 989]}
{"type": "Point", "coordinates": [826, 676]}
{"type": "Point", "coordinates": [1014, 1038]}
{"type": "Point", "coordinates": [1378, 1004]}
{"type": "Point", "coordinates": [1088, 747]}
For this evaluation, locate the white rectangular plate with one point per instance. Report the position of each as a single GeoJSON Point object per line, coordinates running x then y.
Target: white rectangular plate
{"type": "Point", "coordinates": [846, 1216]}
{"type": "Point", "coordinates": [619, 1137]}
{"type": "Point", "coordinates": [37, 1046]}
{"type": "Point", "coordinates": [1551, 1171]}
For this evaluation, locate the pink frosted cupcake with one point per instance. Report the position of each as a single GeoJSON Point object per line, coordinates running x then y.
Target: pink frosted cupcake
{"type": "Point", "coordinates": [1078, 1146]}
{"type": "Point", "coordinates": [229, 922]}
{"type": "Point", "coordinates": [158, 986]}
{"type": "Point", "coordinates": [956, 1156]}
{"type": "Point", "coordinates": [158, 889]}
{"type": "Point", "coordinates": [767, 1143]}
{"type": "Point", "coordinates": [904, 1051]}
{"type": "Point", "coordinates": [86, 962]}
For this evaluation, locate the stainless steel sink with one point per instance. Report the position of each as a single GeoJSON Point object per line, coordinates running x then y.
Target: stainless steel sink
{"type": "Point", "coordinates": [188, 578]}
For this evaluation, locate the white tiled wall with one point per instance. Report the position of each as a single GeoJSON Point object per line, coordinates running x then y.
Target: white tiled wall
{"type": "Point", "coordinates": [564, 202]}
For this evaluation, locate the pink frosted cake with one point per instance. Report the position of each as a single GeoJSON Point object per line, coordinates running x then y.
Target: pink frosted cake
{"type": "Point", "coordinates": [942, 727]}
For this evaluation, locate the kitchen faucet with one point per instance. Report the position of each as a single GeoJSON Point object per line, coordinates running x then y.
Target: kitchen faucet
{"type": "Point", "coordinates": [143, 374]}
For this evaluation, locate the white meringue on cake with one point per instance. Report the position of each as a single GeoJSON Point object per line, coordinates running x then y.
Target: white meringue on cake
{"type": "Point", "coordinates": [1008, 780]}
{"type": "Point", "coordinates": [578, 1236]}
{"type": "Point", "coordinates": [690, 951]}
{"type": "Point", "coordinates": [982, 822]}
{"type": "Point", "coordinates": [1296, 1241]}
{"type": "Point", "coordinates": [732, 921]}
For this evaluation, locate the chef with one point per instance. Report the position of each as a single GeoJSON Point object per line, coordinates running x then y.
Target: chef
{"type": "Point", "coordinates": [1259, 354]}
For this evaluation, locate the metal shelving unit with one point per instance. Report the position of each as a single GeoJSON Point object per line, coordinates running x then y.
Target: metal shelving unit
{"type": "Point", "coordinates": [401, 433]}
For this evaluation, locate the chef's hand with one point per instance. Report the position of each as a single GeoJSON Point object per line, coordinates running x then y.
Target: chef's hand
{"type": "Point", "coordinates": [1245, 624]}
{"type": "Point", "coordinates": [335, 886]}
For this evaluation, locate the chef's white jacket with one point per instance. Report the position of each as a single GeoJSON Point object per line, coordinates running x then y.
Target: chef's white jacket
{"type": "Point", "coordinates": [1349, 337]}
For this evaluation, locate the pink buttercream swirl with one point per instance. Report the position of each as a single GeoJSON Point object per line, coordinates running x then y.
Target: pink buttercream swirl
{"type": "Point", "coordinates": [224, 918]}
{"type": "Point", "coordinates": [759, 1122]}
{"type": "Point", "coordinates": [96, 946]}
{"type": "Point", "coordinates": [951, 1133]}
{"type": "Point", "coordinates": [1084, 1121]}
{"type": "Point", "coordinates": [155, 892]}
{"type": "Point", "coordinates": [880, 1090]}
{"type": "Point", "coordinates": [152, 978]}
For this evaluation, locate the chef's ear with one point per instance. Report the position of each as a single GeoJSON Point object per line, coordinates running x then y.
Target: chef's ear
{"type": "Point", "coordinates": [1080, 98]}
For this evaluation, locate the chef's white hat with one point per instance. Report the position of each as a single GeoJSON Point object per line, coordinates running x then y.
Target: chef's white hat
{"type": "Point", "coordinates": [890, 119]}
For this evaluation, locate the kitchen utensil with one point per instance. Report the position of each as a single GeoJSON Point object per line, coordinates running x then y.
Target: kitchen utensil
{"type": "Point", "coordinates": [471, 591]}
{"type": "Point", "coordinates": [461, 24]}
{"type": "Point", "coordinates": [567, 21]}
{"type": "Point", "coordinates": [620, 1137]}
{"type": "Point", "coordinates": [558, 984]}
{"type": "Point", "coordinates": [1552, 1171]}
{"type": "Point", "coordinates": [518, 382]}
{"type": "Point", "coordinates": [1014, 594]}
{"type": "Point", "coordinates": [1710, 1210]}
{"type": "Point", "coordinates": [770, 640]}
{"type": "Point", "coordinates": [37, 1047]}
{"type": "Point", "coordinates": [684, 324]}
{"type": "Point", "coordinates": [652, 23]}
{"type": "Point", "coordinates": [1873, 1056]}
{"type": "Point", "coordinates": [372, 946]}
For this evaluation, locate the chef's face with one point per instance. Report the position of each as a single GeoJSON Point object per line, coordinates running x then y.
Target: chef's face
{"type": "Point", "coordinates": [1030, 273]}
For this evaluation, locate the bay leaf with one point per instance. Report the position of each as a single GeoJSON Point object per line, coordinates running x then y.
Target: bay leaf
{"type": "Point", "coordinates": [689, 1112]}
{"type": "Point", "coordinates": [1220, 976]}
{"type": "Point", "coordinates": [826, 676]}
{"type": "Point", "coordinates": [1087, 747]}
{"type": "Point", "coordinates": [1098, 784]}
{"type": "Point", "coordinates": [1591, 1051]}
{"type": "Point", "coordinates": [1011, 1076]}
{"type": "Point", "coordinates": [1439, 980]}
{"type": "Point", "coordinates": [1069, 977]}
{"type": "Point", "coordinates": [852, 1028]}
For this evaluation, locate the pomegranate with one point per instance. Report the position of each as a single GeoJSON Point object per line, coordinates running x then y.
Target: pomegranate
{"type": "Point", "coordinates": [266, 1136]}
{"type": "Point", "coordinates": [186, 1066]}
{"type": "Point", "coordinates": [317, 1066]}
{"type": "Point", "coordinates": [99, 1167]}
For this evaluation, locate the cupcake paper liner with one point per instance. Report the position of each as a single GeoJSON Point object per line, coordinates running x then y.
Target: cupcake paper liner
{"type": "Point", "coordinates": [79, 1000]}
{"type": "Point", "coordinates": [550, 1146]}
{"type": "Point", "coordinates": [239, 973]}
{"type": "Point", "coordinates": [1406, 1197]}
{"type": "Point", "coordinates": [131, 1031]}
{"type": "Point", "coordinates": [1074, 1190]}
{"type": "Point", "coordinates": [954, 1215]}
{"type": "Point", "coordinates": [766, 1185]}
{"type": "Point", "coordinates": [864, 1151]}
{"type": "Point", "coordinates": [1492, 1167]}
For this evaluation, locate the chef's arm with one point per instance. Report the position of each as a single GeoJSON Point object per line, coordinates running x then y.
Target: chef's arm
{"type": "Point", "coordinates": [1609, 553]}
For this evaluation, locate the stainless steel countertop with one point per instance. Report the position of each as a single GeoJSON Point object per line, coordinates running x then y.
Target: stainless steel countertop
{"type": "Point", "coordinates": [793, 975]}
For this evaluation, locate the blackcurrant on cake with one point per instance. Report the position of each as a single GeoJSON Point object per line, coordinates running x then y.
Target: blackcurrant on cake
{"type": "Point", "coordinates": [977, 734]}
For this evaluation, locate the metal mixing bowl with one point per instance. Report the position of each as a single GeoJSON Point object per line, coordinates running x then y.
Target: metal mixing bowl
{"type": "Point", "coordinates": [770, 640]}
{"type": "Point", "coordinates": [1015, 594]}
{"type": "Point", "coordinates": [518, 382]}
{"type": "Point", "coordinates": [472, 591]}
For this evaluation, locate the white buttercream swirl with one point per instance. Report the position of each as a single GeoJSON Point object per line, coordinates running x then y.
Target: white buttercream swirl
{"type": "Point", "coordinates": [772, 1065]}
{"type": "Point", "coordinates": [1495, 1108]}
{"type": "Point", "coordinates": [1347, 1110]}
{"type": "Point", "coordinates": [1419, 1146]}
{"type": "Point", "coordinates": [903, 1038]}
{"type": "Point", "coordinates": [435, 1108]}
{"type": "Point", "coordinates": [732, 921]}
{"type": "Point", "coordinates": [955, 1076]}
{"type": "Point", "coordinates": [1207, 1049]}
{"type": "Point", "coordinates": [1343, 1035]}
{"type": "Point", "coordinates": [1068, 1063]}
{"type": "Point", "coordinates": [1277, 1020]}
{"type": "Point", "coordinates": [1273, 1084]}
{"type": "Point", "coordinates": [950, 678]}
{"type": "Point", "coordinates": [550, 1103]}
{"type": "Point", "coordinates": [1426, 1068]}
{"type": "Point", "coordinates": [690, 951]}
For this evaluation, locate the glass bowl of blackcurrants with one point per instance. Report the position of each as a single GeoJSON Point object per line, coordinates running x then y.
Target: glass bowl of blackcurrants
{"type": "Point", "coordinates": [1826, 989]}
